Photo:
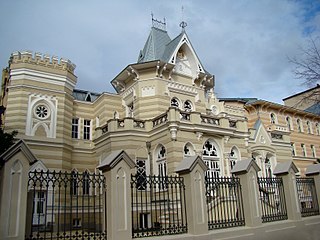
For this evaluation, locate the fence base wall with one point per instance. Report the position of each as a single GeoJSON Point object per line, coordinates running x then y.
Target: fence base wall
{"type": "Point", "coordinates": [308, 228]}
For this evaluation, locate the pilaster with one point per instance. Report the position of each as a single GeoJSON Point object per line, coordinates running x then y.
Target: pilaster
{"type": "Point", "coordinates": [314, 171]}
{"type": "Point", "coordinates": [192, 169]}
{"type": "Point", "coordinates": [287, 171]}
{"type": "Point", "coordinates": [246, 171]}
{"type": "Point", "coordinates": [14, 191]}
{"type": "Point", "coordinates": [117, 171]}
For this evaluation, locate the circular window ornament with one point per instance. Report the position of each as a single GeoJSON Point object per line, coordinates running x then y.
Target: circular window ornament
{"type": "Point", "coordinates": [41, 111]}
{"type": "Point", "coordinates": [214, 110]}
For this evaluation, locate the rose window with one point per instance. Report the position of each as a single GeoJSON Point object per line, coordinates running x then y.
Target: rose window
{"type": "Point", "coordinates": [41, 111]}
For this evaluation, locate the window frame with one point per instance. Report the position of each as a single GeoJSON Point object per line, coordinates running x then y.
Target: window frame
{"type": "Point", "coordinates": [87, 129]}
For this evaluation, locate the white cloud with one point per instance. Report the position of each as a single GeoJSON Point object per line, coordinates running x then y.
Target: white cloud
{"type": "Point", "coordinates": [244, 43]}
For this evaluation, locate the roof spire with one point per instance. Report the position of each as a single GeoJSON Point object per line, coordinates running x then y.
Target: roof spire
{"type": "Point", "coordinates": [183, 24]}
{"type": "Point", "coordinates": [158, 24]}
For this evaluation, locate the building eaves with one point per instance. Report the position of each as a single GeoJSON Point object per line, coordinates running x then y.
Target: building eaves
{"type": "Point", "coordinates": [242, 100]}
{"type": "Point", "coordinates": [303, 92]}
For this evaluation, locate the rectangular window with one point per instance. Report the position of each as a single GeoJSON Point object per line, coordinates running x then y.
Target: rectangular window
{"type": "Point", "coordinates": [144, 220]}
{"type": "Point", "coordinates": [86, 129]}
{"type": "Point", "coordinates": [293, 149]}
{"type": "Point", "coordinates": [76, 222]}
{"type": "Point", "coordinates": [40, 202]}
{"type": "Point", "coordinates": [75, 128]}
{"type": "Point", "coordinates": [303, 150]}
{"type": "Point", "coordinates": [313, 150]}
{"type": "Point", "coordinates": [85, 184]}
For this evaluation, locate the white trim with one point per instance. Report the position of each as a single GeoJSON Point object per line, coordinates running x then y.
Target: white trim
{"type": "Point", "coordinates": [50, 124]}
{"type": "Point", "coordinates": [37, 88]}
{"type": "Point", "coordinates": [185, 40]}
{"type": "Point", "coordinates": [39, 76]}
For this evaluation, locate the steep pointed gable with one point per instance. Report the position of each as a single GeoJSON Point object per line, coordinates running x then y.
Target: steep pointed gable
{"type": "Point", "coordinates": [182, 42]}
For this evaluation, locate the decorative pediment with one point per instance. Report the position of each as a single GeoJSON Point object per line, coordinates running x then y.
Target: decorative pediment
{"type": "Point", "coordinates": [185, 57]}
{"type": "Point", "coordinates": [261, 135]}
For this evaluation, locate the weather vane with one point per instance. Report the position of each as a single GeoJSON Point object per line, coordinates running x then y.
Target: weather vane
{"type": "Point", "coordinates": [183, 24]}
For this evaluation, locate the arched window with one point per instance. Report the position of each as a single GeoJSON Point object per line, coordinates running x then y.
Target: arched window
{"type": "Point", "coordinates": [161, 160]}
{"type": "Point", "coordinates": [74, 183]}
{"type": "Point", "coordinates": [188, 150]}
{"type": "Point", "coordinates": [318, 128]}
{"type": "Point", "coordinates": [187, 106]}
{"type": "Point", "coordinates": [175, 102]}
{"type": "Point", "coordinates": [309, 127]}
{"type": "Point", "coordinates": [299, 125]}
{"type": "Point", "coordinates": [289, 123]}
{"type": "Point", "coordinates": [268, 167]}
{"type": "Point", "coordinates": [234, 156]}
{"type": "Point", "coordinates": [85, 183]}
{"type": "Point", "coordinates": [211, 156]}
{"type": "Point", "coordinates": [273, 118]}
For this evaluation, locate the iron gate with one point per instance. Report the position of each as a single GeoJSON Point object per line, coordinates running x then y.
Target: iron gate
{"type": "Point", "coordinates": [66, 205]}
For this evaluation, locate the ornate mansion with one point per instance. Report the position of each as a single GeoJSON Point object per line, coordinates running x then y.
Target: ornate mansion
{"type": "Point", "coordinates": [164, 109]}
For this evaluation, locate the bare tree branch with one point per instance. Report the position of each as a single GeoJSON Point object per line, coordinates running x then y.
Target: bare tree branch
{"type": "Point", "coordinates": [307, 67]}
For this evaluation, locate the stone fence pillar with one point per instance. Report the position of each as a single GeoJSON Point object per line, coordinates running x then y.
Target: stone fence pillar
{"type": "Point", "coordinates": [117, 171]}
{"type": "Point", "coordinates": [14, 191]}
{"type": "Point", "coordinates": [287, 171]}
{"type": "Point", "coordinates": [192, 169]}
{"type": "Point", "coordinates": [314, 171]}
{"type": "Point", "coordinates": [247, 171]}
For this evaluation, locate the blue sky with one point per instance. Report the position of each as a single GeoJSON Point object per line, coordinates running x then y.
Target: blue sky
{"type": "Point", "coordinates": [245, 44]}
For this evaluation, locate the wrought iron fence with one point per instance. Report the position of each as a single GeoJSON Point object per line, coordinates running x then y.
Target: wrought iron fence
{"type": "Point", "coordinates": [66, 205]}
{"type": "Point", "coordinates": [158, 210]}
{"type": "Point", "coordinates": [224, 202]}
{"type": "Point", "coordinates": [307, 196]}
{"type": "Point", "coordinates": [272, 199]}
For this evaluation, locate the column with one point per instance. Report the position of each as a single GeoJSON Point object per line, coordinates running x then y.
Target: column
{"type": "Point", "coordinates": [192, 169]}
{"type": "Point", "coordinates": [14, 191]}
{"type": "Point", "coordinates": [117, 171]}
{"type": "Point", "coordinates": [314, 171]}
{"type": "Point", "coordinates": [246, 171]}
{"type": "Point", "coordinates": [287, 171]}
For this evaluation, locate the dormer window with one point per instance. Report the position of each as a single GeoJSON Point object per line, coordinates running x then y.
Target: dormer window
{"type": "Point", "coordinates": [88, 98]}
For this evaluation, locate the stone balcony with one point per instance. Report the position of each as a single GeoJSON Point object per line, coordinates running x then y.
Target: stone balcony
{"type": "Point", "coordinates": [174, 117]}
{"type": "Point", "coordinates": [278, 128]}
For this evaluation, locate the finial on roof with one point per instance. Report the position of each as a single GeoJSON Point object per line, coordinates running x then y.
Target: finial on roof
{"type": "Point", "coordinates": [183, 24]}
{"type": "Point", "coordinates": [158, 24]}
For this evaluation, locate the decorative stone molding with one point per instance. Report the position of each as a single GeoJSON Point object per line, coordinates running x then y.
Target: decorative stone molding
{"type": "Point", "coordinates": [181, 88]}
{"type": "Point", "coordinates": [42, 59]}
{"type": "Point", "coordinates": [42, 112]}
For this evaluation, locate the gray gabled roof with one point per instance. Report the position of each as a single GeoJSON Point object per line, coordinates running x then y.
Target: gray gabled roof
{"type": "Point", "coordinates": [154, 46]}
{"type": "Point", "coordinates": [170, 47]}
{"type": "Point", "coordinates": [86, 96]}
{"type": "Point", "coordinates": [159, 46]}
{"type": "Point", "coordinates": [315, 109]}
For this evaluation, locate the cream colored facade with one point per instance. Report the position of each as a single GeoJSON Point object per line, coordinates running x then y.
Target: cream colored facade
{"type": "Point", "coordinates": [164, 109]}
